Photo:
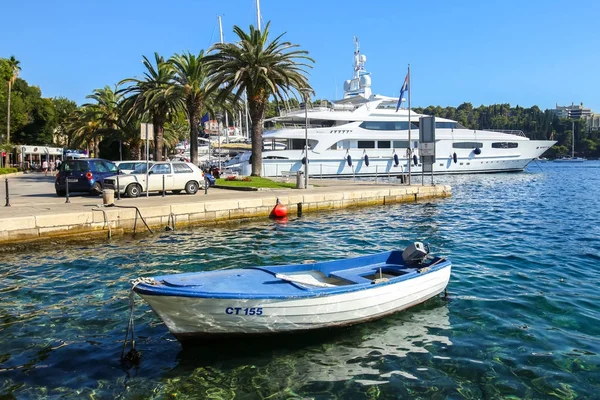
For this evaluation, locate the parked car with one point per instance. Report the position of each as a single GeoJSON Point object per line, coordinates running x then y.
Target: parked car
{"type": "Point", "coordinates": [176, 176]}
{"type": "Point", "coordinates": [83, 175]}
{"type": "Point", "coordinates": [127, 167]}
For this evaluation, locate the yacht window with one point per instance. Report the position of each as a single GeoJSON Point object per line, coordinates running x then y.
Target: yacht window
{"type": "Point", "coordinates": [449, 125]}
{"type": "Point", "coordinates": [388, 125]}
{"type": "Point", "coordinates": [400, 144]}
{"type": "Point", "coordinates": [366, 144]}
{"type": "Point", "coordinates": [505, 145]}
{"type": "Point", "coordinates": [384, 144]}
{"type": "Point", "coordinates": [342, 144]}
{"type": "Point", "coordinates": [467, 145]}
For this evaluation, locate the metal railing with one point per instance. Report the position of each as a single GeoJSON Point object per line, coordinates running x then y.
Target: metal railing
{"type": "Point", "coordinates": [515, 132]}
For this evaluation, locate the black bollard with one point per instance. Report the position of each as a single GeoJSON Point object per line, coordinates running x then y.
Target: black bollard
{"type": "Point", "coordinates": [163, 192]}
{"type": "Point", "coordinates": [7, 195]}
{"type": "Point", "coordinates": [67, 189]}
{"type": "Point", "coordinates": [206, 183]}
{"type": "Point", "coordinates": [118, 188]}
{"type": "Point", "coordinates": [299, 209]}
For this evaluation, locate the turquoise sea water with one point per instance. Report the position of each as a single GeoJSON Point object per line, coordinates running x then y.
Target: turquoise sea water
{"type": "Point", "coordinates": [522, 319]}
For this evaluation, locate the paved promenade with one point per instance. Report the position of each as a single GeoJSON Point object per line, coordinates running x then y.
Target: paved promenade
{"type": "Point", "coordinates": [37, 213]}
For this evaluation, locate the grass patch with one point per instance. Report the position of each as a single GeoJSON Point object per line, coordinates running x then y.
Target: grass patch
{"type": "Point", "coordinates": [254, 181]}
{"type": "Point", "coordinates": [4, 171]}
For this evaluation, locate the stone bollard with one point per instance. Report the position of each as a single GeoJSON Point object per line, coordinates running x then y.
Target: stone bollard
{"type": "Point", "coordinates": [108, 196]}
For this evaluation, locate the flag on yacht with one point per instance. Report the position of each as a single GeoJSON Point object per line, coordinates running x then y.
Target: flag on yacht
{"type": "Point", "coordinates": [204, 119]}
{"type": "Point", "coordinates": [402, 90]}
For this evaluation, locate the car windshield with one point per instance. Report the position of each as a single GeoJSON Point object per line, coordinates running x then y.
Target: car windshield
{"type": "Point", "coordinates": [75, 165]}
{"type": "Point", "coordinates": [141, 168]}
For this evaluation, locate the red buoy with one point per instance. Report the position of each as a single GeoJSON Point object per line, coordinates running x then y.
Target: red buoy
{"type": "Point", "coordinates": [279, 211]}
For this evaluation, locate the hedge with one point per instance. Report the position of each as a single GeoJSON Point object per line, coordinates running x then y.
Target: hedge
{"type": "Point", "coordinates": [4, 171]}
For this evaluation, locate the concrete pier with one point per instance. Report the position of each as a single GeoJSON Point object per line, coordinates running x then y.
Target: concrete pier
{"type": "Point", "coordinates": [39, 217]}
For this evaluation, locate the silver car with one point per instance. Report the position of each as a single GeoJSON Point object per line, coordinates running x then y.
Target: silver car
{"type": "Point", "coordinates": [127, 167]}
{"type": "Point", "coordinates": [174, 176]}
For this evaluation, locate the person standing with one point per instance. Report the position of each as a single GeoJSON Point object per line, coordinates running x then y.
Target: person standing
{"type": "Point", "coordinates": [45, 167]}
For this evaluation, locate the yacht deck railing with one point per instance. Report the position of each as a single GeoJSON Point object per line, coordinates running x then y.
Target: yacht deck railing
{"type": "Point", "coordinates": [516, 132]}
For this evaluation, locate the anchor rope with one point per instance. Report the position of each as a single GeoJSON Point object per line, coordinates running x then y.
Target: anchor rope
{"type": "Point", "coordinates": [131, 325]}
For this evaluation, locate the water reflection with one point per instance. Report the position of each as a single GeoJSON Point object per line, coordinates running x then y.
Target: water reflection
{"type": "Point", "coordinates": [368, 354]}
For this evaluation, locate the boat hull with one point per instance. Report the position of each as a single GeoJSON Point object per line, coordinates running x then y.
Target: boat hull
{"type": "Point", "coordinates": [382, 163]}
{"type": "Point", "coordinates": [195, 317]}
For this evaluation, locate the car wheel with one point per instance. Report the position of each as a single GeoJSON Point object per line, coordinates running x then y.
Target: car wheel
{"type": "Point", "coordinates": [97, 188]}
{"type": "Point", "coordinates": [133, 190]}
{"type": "Point", "coordinates": [60, 193]}
{"type": "Point", "coordinates": [191, 187]}
{"type": "Point", "coordinates": [176, 191]}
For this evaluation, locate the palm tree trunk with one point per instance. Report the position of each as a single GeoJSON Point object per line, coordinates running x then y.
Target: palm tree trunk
{"type": "Point", "coordinates": [159, 132]}
{"type": "Point", "coordinates": [257, 144]}
{"type": "Point", "coordinates": [6, 159]}
{"type": "Point", "coordinates": [194, 121]}
{"type": "Point", "coordinates": [96, 147]}
{"type": "Point", "coordinates": [257, 114]}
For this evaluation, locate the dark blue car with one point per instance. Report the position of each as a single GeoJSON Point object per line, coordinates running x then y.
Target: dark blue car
{"type": "Point", "coordinates": [83, 175]}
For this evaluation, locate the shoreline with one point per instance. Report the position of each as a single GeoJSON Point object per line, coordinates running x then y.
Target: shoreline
{"type": "Point", "coordinates": [32, 222]}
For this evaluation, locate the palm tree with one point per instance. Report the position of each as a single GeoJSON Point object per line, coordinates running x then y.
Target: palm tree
{"type": "Point", "coordinates": [106, 113]}
{"type": "Point", "coordinates": [85, 128]}
{"type": "Point", "coordinates": [262, 69]}
{"type": "Point", "coordinates": [194, 93]}
{"type": "Point", "coordinates": [15, 67]}
{"type": "Point", "coordinates": [154, 96]}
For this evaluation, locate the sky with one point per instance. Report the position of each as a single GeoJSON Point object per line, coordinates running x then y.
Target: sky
{"type": "Point", "coordinates": [525, 52]}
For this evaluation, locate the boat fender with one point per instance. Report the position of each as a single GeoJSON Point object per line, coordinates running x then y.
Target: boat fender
{"type": "Point", "coordinates": [477, 151]}
{"type": "Point", "coordinates": [366, 160]}
{"type": "Point", "coordinates": [455, 158]}
{"type": "Point", "coordinates": [396, 161]}
{"type": "Point", "coordinates": [349, 159]}
{"type": "Point", "coordinates": [304, 161]}
{"type": "Point", "coordinates": [279, 211]}
{"type": "Point", "coordinates": [416, 159]}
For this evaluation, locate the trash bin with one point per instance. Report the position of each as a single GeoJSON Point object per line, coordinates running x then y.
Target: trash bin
{"type": "Point", "coordinates": [299, 180]}
{"type": "Point", "coordinates": [108, 196]}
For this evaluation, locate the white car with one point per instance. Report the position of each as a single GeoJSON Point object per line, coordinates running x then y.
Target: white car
{"type": "Point", "coordinates": [176, 176]}
{"type": "Point", "coordinates": [127, 167]}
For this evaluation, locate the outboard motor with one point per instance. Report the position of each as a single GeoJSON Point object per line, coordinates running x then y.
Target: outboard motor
{"type": "Point", "coordinates": [415, 253]}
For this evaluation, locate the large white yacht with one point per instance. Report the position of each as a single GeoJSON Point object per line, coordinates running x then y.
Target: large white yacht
{"type": "Point", "coordinates": [365, 134]}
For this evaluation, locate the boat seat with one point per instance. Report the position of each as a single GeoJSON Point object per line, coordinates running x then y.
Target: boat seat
{"type": "Point", "coordinates": [356, 275]}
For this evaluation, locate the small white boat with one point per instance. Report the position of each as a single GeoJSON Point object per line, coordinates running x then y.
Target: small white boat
{"type": "Point", "coordinates": [297, 297]}
{"type": "Point", "coordinates": [570, 159]}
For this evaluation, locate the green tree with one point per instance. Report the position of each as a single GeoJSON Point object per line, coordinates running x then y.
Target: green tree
{"type": "Point", "coordinates": [64, 110]}
{"type": "Point", "coordinates": [262, 69]}
{"type": "Point", "coordinates": [154, 96]}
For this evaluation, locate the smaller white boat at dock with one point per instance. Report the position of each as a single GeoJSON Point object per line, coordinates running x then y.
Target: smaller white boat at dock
{"type": "Point", "coordinates": [296, 297]}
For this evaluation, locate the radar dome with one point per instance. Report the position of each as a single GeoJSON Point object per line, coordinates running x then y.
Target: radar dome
{"type": "Point", "coordinates": [363, 58]}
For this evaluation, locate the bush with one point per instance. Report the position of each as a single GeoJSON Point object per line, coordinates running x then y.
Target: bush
{"type": "Point", "coordinates": [4, 171]}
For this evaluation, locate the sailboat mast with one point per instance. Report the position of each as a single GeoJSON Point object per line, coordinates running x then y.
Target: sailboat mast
{"type": "Point", "coordinates": [258, 14]}
{"type": "Point", "coordinates": [409, 141]}
{"type": "Point", "coordinates": [226, 116]}
{"type": "Point", "coordinates": [573, 139]}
